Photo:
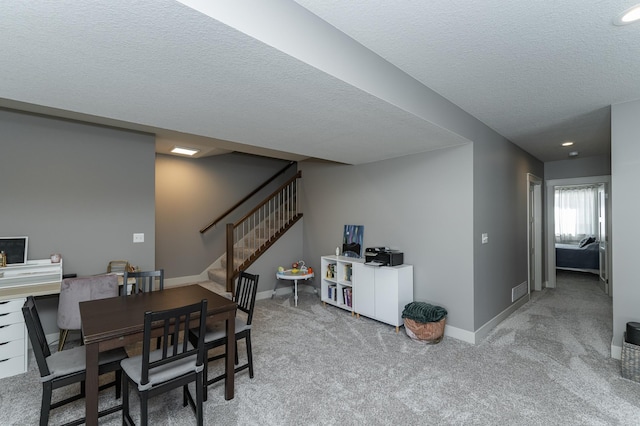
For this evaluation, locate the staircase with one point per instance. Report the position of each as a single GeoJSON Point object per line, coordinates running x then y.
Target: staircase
{"type": "Point", "coordinates": [256, 232]}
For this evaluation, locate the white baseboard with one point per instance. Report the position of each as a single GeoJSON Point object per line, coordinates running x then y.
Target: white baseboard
{"type": "Point", "coordinates": [460, 334]}
{"type": "Point", "coordinates": [477, 336]}
{"type": "Point", "coordinates": [616, 351]}
{"type": "Point", "coordinates": [302, 288]}
{"type": "Point", "coordinates": [176, 282]}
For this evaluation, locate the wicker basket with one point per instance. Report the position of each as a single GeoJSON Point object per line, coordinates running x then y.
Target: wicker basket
{"type": "Point", "coordinates": [427, 332]}
{"type": "Point", "coordinates": [630, 360]}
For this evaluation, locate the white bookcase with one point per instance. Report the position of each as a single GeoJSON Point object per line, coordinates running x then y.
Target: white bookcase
{"type": "Point", "coordinates": [337, 275]}
{"type": "Point", "coordinates": [377, 292]}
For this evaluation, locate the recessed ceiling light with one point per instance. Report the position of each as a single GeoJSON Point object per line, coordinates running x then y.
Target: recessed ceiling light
{"type": "Point", "coordinates": [573, 154]}
{"type": "Point", "coordinates": [184, 151]}
{"type": "Point", "coordinates": [567, 143]}
{"type": "Point", "coordinates": [628, 16]}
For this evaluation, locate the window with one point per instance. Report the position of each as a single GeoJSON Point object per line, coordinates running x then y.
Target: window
{"type": "Point", "coordinates": [576, 213]}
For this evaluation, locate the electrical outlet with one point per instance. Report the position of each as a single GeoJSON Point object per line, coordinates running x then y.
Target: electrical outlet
{"type": "Point", "coordinates": [138, 238]}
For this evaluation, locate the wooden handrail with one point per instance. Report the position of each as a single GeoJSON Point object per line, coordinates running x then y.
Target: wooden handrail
{"type": "Point", "coordinates": [239, 203]}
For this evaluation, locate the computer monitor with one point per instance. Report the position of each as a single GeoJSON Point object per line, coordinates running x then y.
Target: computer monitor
{"type": "Point", "coordinates": [15, 248]}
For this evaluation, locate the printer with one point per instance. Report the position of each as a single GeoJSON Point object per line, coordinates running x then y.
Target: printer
{"type": "Point", "coordinates": [383, 256]}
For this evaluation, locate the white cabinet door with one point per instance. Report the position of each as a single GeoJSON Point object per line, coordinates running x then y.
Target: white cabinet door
{"type": "Point", "coordinates": [386, 289]}
{"type": "Point", "coordinates": [363, 290]}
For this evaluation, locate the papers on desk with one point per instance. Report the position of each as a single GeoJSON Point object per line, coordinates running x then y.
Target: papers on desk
{"type": "Point", "coordinates": [374, 263]}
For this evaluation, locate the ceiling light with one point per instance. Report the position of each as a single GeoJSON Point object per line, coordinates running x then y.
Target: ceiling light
{"type": "Point", "coordinates": [184, 151]}
{"type": "Point", "coordinates": [628, 16]}
{"type": "Point", "coordinates": [573, 154]}
{"type": "Point", "coordinates": [567, 143]}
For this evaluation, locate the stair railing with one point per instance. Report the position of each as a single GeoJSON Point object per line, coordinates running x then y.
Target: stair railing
{"type": "Point", "coordinates": [252, 235]}
{"type": "Point", "coordinates": [251, 194]}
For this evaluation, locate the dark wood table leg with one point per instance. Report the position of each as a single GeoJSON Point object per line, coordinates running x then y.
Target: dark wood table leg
{"type": "Point", "coordinates": [91, 399]}
{"type": "Point", "coordinates": [231, 358]}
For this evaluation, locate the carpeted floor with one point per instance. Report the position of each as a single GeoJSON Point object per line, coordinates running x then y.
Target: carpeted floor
{"type": "Point", "coordinates": [548, 363]}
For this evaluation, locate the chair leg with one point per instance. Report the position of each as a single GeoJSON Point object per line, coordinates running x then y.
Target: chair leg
{"type": "Point", "coordinates": [62, 339]}
{"type": "Point", "coordinates": [125, 400]}
{"type": "Point", "coordinates": [237, 360]}
{"type": "Point", "coordinates": [185, 400]}
{"type": "Point", "coordinates": [118, 383]}
{"type": "Point", "coordinates": [144, 409]}
{"type": "Point", "coordinates": [200, 390]}
{"type": "Point", "coordinates": [47, 390]}
{"type": "Point", "coordinates": [205, 373]}
{"type": "Point", "coordinates": [249, 355]}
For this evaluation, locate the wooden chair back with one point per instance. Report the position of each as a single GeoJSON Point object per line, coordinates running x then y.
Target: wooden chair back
{"type": "Point", "coordinates": [145, 281]}
{"type": "Point", "coordinates": [36, 335]}
{"type": "Point", "coordinates": [175, 323]}
{"type": "Point", "coordinates": [246, 289]}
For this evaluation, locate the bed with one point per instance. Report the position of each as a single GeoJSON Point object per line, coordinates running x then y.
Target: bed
{"type": "Point", "coordinates": [579, 257]}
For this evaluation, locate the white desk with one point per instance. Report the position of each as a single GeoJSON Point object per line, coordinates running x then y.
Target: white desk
{"type": "Point", "coordinates": [290, 276]}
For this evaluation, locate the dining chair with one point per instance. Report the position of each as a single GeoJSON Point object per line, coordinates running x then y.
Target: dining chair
{"type": "Point", "coordinates": [76, 290]}
{"type": "Point", "coordinates": [216, 335]}
{"type": "Point", "coordinates": [171, 366]}
{"type": "Point", "coordinates": [144, 281]}
{"type": "Point", "coordinates": [117, 266]}
{"type": "Point", "coordinates": [67, 367]}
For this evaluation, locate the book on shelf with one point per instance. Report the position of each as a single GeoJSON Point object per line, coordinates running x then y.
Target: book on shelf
{"type": "Point", "coordinates": [332, 292]}
{"type": "Point", "coordinates": [347, 273]}
{"type": "Point", "coordinates": [347, 296]}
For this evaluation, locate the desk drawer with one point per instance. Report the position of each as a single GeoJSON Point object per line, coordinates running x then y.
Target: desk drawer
{"type": "Point", "coordinates": [11, 318]}
{"type": "Point", "coordinates": [11, 349]}
{"type": "Point", "coordinates": [14, 305]}
{"type": "Point", "coordinates": [12, 366]}
{"type": "Point", "coordinates": [12, 332]}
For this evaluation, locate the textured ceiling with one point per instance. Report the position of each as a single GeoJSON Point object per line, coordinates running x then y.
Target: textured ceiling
{"type": "Point", "coordinates": [275, 79]}
{"type": "Point", "coordinates": [539, 73]}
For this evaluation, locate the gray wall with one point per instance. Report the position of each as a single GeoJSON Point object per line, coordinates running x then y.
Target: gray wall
{"type": "Point", "coordinates": [421, 204]}
{"type": "Point", "coordinates": [190, 193]}
{"type": "Point", "coordinates": [578, 167]}
{"type": "Point", "coordinates": [625, 175]}
{"type": "Point", "coordinates": [500, 209]}
{"type": "Point", "coordinates": [434, 207]}
{"type": "Point", "coordinates": [77, 189]}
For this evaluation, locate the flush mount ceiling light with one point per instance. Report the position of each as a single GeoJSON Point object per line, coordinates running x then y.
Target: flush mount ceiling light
{"type": "Point", "coordinates": [628, 16]}
{"type": "Point", "coordinates": [573, 154]}
{"type": "Point", "coordinates": [184, 151]}
{"type": "Point", "coordinates": [568, 143]}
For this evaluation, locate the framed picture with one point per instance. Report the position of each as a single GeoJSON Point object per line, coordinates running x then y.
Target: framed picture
{"type": "Point", "coordinates": [352, 241]}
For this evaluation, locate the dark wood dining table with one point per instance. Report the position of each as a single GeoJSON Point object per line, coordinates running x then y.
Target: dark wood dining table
{"type": "Point", "coordinates": [119, 321]}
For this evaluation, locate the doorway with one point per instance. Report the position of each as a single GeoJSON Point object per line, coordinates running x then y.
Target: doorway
{"type": "Point", "coordinates": [604, 227]}
{"type": "Point", "coordinates": [534, 232]}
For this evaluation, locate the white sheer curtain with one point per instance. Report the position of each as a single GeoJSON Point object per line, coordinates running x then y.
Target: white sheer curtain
{"type": "Point", "coordinates": [576, 214]}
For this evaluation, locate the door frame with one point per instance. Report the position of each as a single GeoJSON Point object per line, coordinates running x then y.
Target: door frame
{"type": "Point", "coordinates": [550, 220]}
{"type": "Point", "coordinates": [535, 233]}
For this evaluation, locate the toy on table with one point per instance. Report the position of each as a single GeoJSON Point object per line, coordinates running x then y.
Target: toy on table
{"type": "Point", "coordinates": [298, 267]}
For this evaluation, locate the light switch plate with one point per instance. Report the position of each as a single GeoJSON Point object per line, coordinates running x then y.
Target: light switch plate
{"type": "Point", "coordinates": [485, 238]}
{"type": "Point", "coordinates": [138, 238]}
